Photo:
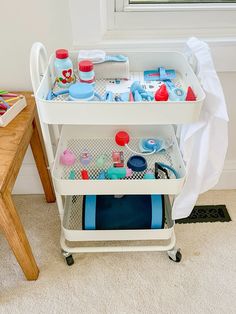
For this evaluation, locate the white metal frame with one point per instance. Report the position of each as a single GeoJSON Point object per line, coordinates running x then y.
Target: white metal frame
{"type": "Point", "coordinates": [38, 65]}
{"type": "Point", "coordinates": [39, 56]}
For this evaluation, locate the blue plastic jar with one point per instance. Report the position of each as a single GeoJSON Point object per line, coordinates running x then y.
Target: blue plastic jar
{"type": "Point", "coordinates": [82, 91]}
{"type": "Point", "coordinates": [63, 68]}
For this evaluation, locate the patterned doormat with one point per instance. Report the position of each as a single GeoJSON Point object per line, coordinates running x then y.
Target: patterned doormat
{"type": "Point", "coordinates": [206, 213]}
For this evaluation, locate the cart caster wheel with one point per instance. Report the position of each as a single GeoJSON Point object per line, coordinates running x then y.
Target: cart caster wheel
{"type": "Point", "coordinates": [69, 260]}
{"type": "Point", "coordinates": [68, 257]}
{"type": "Point", "coordinates": [175, 256]}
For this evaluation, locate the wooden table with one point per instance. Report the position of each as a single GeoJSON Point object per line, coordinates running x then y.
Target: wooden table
{"type": "Point", "coordinates": [14, 140]}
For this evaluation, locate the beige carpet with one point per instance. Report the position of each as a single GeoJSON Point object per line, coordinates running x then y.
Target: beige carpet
{"type": "Point", "coordinates": [204, 282]}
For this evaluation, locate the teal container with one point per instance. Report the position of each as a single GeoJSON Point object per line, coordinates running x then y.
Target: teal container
{"type": "Point", "coordinates": [118, 173]}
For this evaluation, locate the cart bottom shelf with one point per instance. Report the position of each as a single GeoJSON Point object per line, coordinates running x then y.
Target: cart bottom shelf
{"type": "Point", "coordinates": [118, 246]}
{"type": "Point", "coordinates": [73, 232]}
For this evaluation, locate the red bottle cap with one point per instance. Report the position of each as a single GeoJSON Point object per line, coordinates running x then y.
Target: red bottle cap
{"type": "Point", "coordinates": [162, 94]}
{"type": "Point", "coordinates": [122, 138]}
{"type": "Point", "coordinates": [62, 54]}
{"type": "Point", "coordinates": [84, 175]}
{"type": "Point", "coordinates": [190, 95]}
{"type": "Point", "coordinates": [85, 66]}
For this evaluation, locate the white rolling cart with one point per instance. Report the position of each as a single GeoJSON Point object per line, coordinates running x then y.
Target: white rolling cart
{"type": "Point", "coordinates": [75, 125]}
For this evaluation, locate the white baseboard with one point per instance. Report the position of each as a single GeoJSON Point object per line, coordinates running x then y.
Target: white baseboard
{"type": "Point", "coordinates": [28, 181]}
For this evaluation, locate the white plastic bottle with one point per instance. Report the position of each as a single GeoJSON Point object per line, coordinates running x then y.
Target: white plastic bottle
{"type": "Point", "coordinates": [63, 68]}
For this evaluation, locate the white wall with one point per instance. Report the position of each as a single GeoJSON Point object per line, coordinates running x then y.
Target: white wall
{"type": "Point", "coordinates": [49, 22]}
{"type": "Point", "coordinates": [22, 23]}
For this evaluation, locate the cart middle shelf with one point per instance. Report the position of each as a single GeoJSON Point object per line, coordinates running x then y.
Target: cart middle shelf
{"type": "Point", "coordinates": [100, 141]}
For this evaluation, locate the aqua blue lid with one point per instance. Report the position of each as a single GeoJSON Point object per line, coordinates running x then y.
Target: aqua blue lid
{"type": "Point", "coordinates": [81, 91]}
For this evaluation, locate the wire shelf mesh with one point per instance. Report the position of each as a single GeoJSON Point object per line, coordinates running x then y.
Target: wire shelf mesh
{"type": "Point", "coordinates": [101, 85]}
{"type": "Point", "coordinates": [104, 147]}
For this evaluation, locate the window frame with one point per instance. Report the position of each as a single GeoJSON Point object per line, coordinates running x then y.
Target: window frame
{"type": "Point", "coordinates": [125, 20]}
{"type": "Point", "coordinates": [124, 5]}
{"type": "Point", "coordinates": [104, 34]}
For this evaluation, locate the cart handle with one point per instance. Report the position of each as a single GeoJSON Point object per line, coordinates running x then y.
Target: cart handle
{"type": "Point", "coordinates": [38, 64]}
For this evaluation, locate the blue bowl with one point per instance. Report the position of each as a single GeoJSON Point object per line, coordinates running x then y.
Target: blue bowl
{"type": "Point", "coordinates": [137, 163]}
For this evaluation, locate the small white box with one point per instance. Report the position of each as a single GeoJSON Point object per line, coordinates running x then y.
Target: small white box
{"type": "Point", "coordinates": [11, 113]}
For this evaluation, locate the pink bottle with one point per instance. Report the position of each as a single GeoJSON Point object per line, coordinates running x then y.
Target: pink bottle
{"type": "Point", "coordinates": [67, 158]}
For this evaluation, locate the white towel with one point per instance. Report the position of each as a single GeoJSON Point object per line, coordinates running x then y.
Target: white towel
{"type": "Point", "coordinates": [112, 70]}
{"type": "Point", "coordinates": [204, 143]}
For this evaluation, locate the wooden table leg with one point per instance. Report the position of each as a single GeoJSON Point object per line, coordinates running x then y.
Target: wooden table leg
{"type": "Point", "coordinates": [16, 237]}
{"type": "Point", "coordinates": [41, 163]}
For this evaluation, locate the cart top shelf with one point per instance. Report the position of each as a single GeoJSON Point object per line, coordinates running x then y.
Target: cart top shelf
{"type": "Point", "coordinates": [62, 111]}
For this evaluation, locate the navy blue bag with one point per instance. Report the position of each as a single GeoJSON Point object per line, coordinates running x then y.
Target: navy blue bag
{"type": "Point", "coordinates": [106, 212]}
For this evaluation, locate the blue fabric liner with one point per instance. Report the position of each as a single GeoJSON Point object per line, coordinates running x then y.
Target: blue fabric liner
{"type": "Point", "coordinates": [105, 212]}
